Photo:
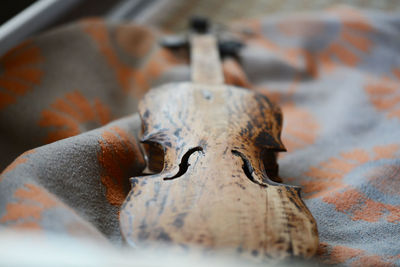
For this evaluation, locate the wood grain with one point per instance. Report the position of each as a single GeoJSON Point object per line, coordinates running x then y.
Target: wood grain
{"type": "Point", "coordinates": [217, 188]}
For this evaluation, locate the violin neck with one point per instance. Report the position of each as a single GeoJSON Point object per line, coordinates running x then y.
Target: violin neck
{"type": "Point", "coordinates": [205, 60]}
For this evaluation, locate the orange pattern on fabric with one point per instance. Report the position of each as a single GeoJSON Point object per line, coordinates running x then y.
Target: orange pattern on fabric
{"type": "Point", "coordinates": [32, 201]}
{"type": "Point", "coordinates": [359, 207]}
{"type": "Point", "coordinates": [288, 54]}
{"type": "Point", "coordinates": [352, 37]}
{"type": "Point", "coordinates": [19, 72]}
{"type": "Point", "coordinates": [341, 254]}
{"type": "Point", "coordinates": [20, 160]}
{"type": "Point", "coordinates": [234, 74]}
{"type": "Point", "coordinates": [139, 45]}
{"type": "Point", "coordinates": [326, 182]}
{"type": "Point", "coordinates": [72, 115]}
{"type": "Point", "coordinates": [300, 128]}
{"type": "Point", "coordinates": [125, 74]}
{"type": "Point", "coordinates": [120, 158]}
{"type": "Point", "coordinates": [371, 261]}
{"type": "Point", "coordinates": [327, 177]}
{"type": "Point", "coordinates": [345, 48]}
{"type": "Point", "coordinates": [158, 63]}
{"type": "Point", "coordinates": [350, 256]}
{"type": "Point", "coordinates": [386, 179]}
{"type": "Point", "coordinates": [384, 94]}
{"type": "Point", "coordinates": [302, 27]}
{"type": "Point", "coordinates": [134, 40]}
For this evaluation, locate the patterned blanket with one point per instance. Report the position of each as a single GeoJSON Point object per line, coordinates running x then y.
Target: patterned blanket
{"type": "Point", "coordinates": [68, 99]}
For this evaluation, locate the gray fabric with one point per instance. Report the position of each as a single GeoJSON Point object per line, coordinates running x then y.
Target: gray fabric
{"type": "Point", "coordinates": [335, 75]}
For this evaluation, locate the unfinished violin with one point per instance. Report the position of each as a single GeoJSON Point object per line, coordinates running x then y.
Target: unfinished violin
{"type": "Point", "coordinates": [213, 148]}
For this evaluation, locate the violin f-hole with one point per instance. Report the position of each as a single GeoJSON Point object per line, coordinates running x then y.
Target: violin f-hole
{"type": "Point", "coordinates": [248, 168]}
{"type": "Point", "coordinates": [184, 165]}
{"type": "Point", "coordinates": [154, 155]}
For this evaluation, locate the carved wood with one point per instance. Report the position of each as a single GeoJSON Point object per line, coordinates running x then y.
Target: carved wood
{"type": "Point", "coordinates": [218, 187]}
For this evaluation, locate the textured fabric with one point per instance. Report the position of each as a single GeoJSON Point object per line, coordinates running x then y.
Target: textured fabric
{"type": "Point", "coordinates": [172, 15]}
{"type": "Point", "coordinates": [335, 74]}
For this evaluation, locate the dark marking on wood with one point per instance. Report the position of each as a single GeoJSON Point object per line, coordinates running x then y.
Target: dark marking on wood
{"type": "Point", "coordinates": [168, 144]}
{"type": "Point", "coordinates": [146, 114]}
{"type": "Point", "coordinates": [162, 206]}
{"type": "Point", "coordinates": [134, 182]}
{"type": "Point", "coordinates": [137, 193]}
{"type": "Point", "coordinates": [241, 186]}
{"type": "Point", "coordinates": [143, 235]}
{"type": "Point", "coordinates": [163, 236]}
{"type": "Point", "coordinates": [264, 139]}
{"type": "Point", "coordinates": [179, 220]}
{"type": "Point", "coordinates": [177, 131]}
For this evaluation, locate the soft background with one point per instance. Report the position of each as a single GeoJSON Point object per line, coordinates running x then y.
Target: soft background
{"type": "Point", "coordinates": [335, 74]}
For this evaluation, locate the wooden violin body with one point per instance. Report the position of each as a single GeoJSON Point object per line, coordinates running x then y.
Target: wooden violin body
{"type": "Point", "coordinates": [219, 186]}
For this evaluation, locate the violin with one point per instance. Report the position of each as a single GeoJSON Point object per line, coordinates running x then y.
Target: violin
{"type": "Point", "coordinates": [213, 150]}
